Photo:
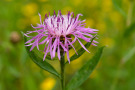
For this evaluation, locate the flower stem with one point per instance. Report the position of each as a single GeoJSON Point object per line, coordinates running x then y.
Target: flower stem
{"type": "Point", "coordinates": [62, 65]}
{"type": "Point", "coordinates": [130, 11]}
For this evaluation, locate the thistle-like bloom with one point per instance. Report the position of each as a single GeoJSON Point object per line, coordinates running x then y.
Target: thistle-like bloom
{"type": "Point", "coordinates": [57, 32]}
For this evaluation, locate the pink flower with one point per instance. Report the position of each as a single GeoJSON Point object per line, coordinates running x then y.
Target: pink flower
{"type": "Point", "coordinates": [57, 31]}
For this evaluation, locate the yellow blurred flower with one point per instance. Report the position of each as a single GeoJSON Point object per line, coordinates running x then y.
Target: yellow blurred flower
{"type": "Point", "coordinates": [89, 22]}
{"type": "Point", "coordinates": [76, 2]}
{"type": "Point", "coordinates": [91, 3]}
{"type": "Point", "coordinates": [109, 42]}
{"type": "Point", "coordinates": [126, 2]}
{"type": "Point", "coordinates": [29, 9]}
{"type": "Point", "coordinates": [35, 20]}
{"type": "Point", "coordinates": [107, 5]}
{"type": "Point", "coordinates": [101, 26]}
{"type": "Point", "coordinates": [48, 84]}
{"type": "Point", "coordinates": [115, 16]}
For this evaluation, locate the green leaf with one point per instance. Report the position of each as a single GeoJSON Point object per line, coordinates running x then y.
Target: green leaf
{"type": "Point", "coordinates": [84, 73]}
{"type": "Point", "coordinates": [117, 6]}
{"type": "Point", "coordinates": [39, 61]}
{"type": "Point", "coordinates": [80, 51]}
{"type": "Point", "coordinates": [129, 30]}
{"type": "Point", "coordinates": [48, 57]}
{"type": "Point", "coordinates": [129, 54]}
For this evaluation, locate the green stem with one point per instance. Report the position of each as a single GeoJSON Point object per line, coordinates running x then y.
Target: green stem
{"type": "Point", "coordinates": [130, 11]}
{"type": "Point", "coordinates": [62, 65]}
{"type": "Point", "coordinates": [114, 83]}
{"type": "Point", "coordinates": [122, 61]}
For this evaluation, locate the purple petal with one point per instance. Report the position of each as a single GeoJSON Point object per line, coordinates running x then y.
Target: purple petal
{"type": "Point", "coordinates": [54, 45]}
{"type": "Point", "coordinates": [46, 52]}
{"type": "Point", "coordinates": [72, 46]}
{"type": "Point", "coordinates": [82, 45]}
{"type": "Point", "coordinates": [58, 52]}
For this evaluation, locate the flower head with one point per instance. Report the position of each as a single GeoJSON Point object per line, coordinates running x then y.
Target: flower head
{"type": "Point", "coordinates": [57, 31]}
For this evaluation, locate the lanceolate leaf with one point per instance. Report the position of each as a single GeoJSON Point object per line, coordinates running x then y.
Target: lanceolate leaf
{"type": "Point", "coordinates": [80, 51]}
{"type": "Point", "coordinates": [39, 61]}
{"type": "Point", "coordinates": [129, 54]}
{"type": "Point", "coordinates": [48, 57]}
{"type": "Point", "coordinates": [84, 73]}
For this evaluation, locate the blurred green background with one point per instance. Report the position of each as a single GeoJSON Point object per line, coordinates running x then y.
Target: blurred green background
{"type": "Point", "coordinates": [115, 20]}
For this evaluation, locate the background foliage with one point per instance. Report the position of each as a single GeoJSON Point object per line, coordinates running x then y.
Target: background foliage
{"type": "Point", "coordinates": [115, 20]}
